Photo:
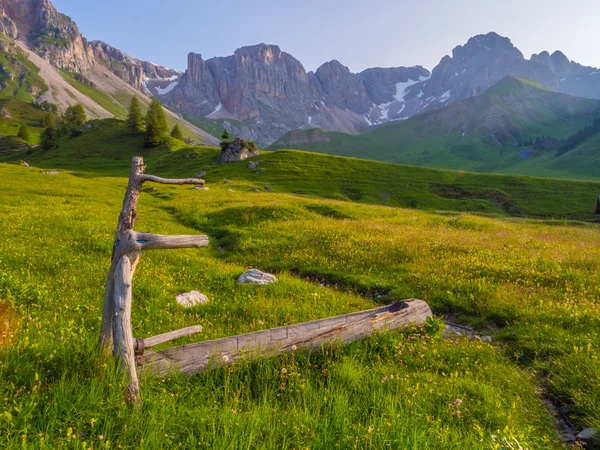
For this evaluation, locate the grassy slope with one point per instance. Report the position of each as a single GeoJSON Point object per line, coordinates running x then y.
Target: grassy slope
{"type": "Point", "coordinates": [535, 284]}
{"type": "Point", "coordinates": [213, 127]}
{"type": "Point", "coordinates": [25, 79]}
{"type": "Point", "coordinates": [514, 107]}
{"type": "Point", "coordinates": [101, 98]}
{"type": "Point", "coordinates": [107, 149]}
{"type": "Point", "coordinates": [20, 112]}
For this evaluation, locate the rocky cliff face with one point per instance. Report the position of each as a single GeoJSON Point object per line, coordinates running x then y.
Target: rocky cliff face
{"type": "Point", "coordinates": [51, 34]}
{"type": "Point", "coordinates": [271, 91]}
{"type": "Point", "coordinates": [486, 59]}
{"type": "Point", "coordinates": [7, 26]}
{"type": "Point", "coordinates": [573, 78]}
{"type": "Point", "coordinates": [142, 75]}
{"type": "Point", "coordinates": [57, 39]}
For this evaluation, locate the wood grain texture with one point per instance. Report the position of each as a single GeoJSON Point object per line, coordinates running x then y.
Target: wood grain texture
{"type": "Point", "coordinates": [157, 241]}
{"type": "Point", "coordinates": [167, 337]}
{"type": "Point", "coordinates": [198, 357]}
{"type": "Point", "coordinates": [122, 333]}
{"type": "Point", "coordinates": [128, 242]}
{"type": "Point", "coordinates": [154, 179]}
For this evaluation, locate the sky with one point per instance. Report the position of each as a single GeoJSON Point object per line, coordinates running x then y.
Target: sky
{"type": "Point", "coordinates": [358, 33]}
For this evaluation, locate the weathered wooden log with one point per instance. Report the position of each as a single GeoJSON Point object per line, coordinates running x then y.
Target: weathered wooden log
{"type": "Point", "coordinates": [198, 357]}
{"type": "Point", "coordinates": [152, 178]}
{"type": "Point", "coordinates": [141, 344]}
{"type": "Point", "coordinates": [157, 241]}
{"type": "Point", "coordinates": [126, 240]}
{"type": "Point", "coordinates": [122, 333]}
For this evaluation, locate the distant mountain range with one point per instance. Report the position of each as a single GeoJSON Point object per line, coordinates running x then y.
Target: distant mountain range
{"type": "Point", "coordinates": [516, 126]}
{"type": "Point", "coordinates": [262, 93]}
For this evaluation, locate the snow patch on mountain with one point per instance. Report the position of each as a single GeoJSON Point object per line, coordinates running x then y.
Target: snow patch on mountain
{"type": "Point", "coordinates": [169, 88]}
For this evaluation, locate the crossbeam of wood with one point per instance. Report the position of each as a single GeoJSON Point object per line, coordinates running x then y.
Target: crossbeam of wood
{"type": "Point", "coordinates": [307, 336]}
{"type": "Point", "coordinates": [128, 247]}
{"type": "Point", "coordinates": [196, 181]}
{"type": "Point", "coordinates": [141, 344]}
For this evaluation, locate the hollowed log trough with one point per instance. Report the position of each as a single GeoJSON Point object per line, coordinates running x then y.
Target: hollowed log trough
{"type": "Point", "coordinates": [306, 336]}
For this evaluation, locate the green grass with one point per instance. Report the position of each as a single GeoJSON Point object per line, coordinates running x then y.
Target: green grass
{"type": "Point", "coordinates": [107, 147]}
{"type": "Point", "coordinates": [467, 135]}
{"type": "Point", "coordinates": [20, 112]}
{"type": "Point", "coordinates": [533, 286]}
{"type": "Point", "coordinates": [25, 82]}
{"type": "Point", "coordinates": [214, 127]}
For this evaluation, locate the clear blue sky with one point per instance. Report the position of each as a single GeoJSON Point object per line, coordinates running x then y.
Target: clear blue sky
{"type": "Point", "coordinates": [358, 33]}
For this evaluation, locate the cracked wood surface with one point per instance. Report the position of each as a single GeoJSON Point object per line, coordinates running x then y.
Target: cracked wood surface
{"type": "Point", "coordinates": [198, 357]}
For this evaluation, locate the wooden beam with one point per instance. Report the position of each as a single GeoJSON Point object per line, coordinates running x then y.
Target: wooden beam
{"type": "Point", "coordinates": [198, 357]}
{"type": "Point", "coordinates": [122, 333]}
{"type": "Point", "coordinates": [141, 344]}
{"type": "Point", "coordinates": [154, 179]}
{"type": "Point", "coordinates": [156, 241]}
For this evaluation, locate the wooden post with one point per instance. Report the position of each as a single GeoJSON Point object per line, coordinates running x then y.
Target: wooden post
{"type": "Point", "coordinates": [122, 333]}
{"type": "Point", "coordinates": [116, 332]}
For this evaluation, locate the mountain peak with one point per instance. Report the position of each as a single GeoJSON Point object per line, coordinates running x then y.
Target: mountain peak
{"type": "Point", "coordinates": [487, 43]}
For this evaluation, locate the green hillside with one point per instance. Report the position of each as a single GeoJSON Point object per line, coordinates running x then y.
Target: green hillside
{"type": "Point", "coordinates": [484, 133]}
{"type": "Point", "coordinates": [19, 78]}
{"type": "Point", "coordinates": [533, 286]}
{"type": "Point", "coordinates": [107, 146]}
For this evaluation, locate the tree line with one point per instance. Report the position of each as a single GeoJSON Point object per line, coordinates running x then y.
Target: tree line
{"type": "Point", "coordinates": [153, 124]}
{"type": "Point", "coordinates": [579, 137]}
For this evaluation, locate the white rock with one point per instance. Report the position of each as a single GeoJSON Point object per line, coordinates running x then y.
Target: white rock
{"type": "Point", "coordinates": [587, 434]}
{"type": "Point", "coordinates": [254, 276]}
{"type": "Point", "coordinates": [193, 298]}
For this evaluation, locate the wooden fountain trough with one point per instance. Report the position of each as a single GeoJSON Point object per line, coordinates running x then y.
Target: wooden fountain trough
{"type": "Point", "coordinates": [305, 336]}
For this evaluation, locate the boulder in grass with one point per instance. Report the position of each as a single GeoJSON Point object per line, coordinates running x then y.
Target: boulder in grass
{"type": "Point", "coordinates": [193, 298]}
{"type": "Point", "coordinates": [255, 276]}
{"type": "Point", "coordinates": [588, 435]}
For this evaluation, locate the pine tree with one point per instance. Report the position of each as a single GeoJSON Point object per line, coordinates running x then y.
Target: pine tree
{"type": "Point", "coordinates": [49, 138]}
{"type": "Point", "coordinates": [24, 133]}
{"type": "Point", "coordinates": [225, 136]}
{"type": "Point", "coordinates": [48, 120]}
{"type": "Point", "coordinates": [176, 133]}
{"type": "Point", "coordinates": [134, 119]}
{"type": "Point", "coordinates": [73, 118]}
{"type": "Point", "coordinates": [75, 115]}
{"type": "Point", "coordinates": [156, 125]}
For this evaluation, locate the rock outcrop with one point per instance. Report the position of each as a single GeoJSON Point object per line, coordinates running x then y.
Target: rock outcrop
{"type": "Point", "coordinates": [272, 93]}
{"type": "Point", "coordinates": [7, 26]}
{"type": "Point", "coordinates": [237, 150]}
{"type": "Point", "coordinates": [142, 75]}
{"type": "Point", "coordinates": [52, 35]}
{"type": "Point", "coordinates": [255, 276]}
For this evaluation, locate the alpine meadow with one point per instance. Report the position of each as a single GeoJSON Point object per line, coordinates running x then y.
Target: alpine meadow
{"type": "Point", "coordinates": [249, 255]}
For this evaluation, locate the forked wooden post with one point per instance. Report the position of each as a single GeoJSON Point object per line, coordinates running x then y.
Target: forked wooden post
{"type": "Point", "coordinates": [116, 332]}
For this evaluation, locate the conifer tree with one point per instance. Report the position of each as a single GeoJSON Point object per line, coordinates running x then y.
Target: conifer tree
{"type": "Point", "coordinates": [156, 125]}
{"type": "Point", "coordinates": [49, 137]}
{"type": "Point", "coordinates": [176, 133]}
{"type": "Point", "coordinates": [73, 118]}
{"type": "Point", "coordinates": [48, 120]}
{"type": "Point", "coordinates": [134, 119]}
{"type": "Point", "coordinates": [225, 136]}
{"type": "Point", "coordinates": [24, 133]}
